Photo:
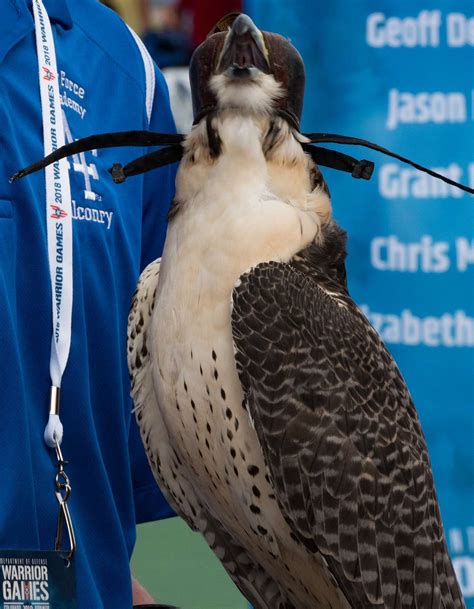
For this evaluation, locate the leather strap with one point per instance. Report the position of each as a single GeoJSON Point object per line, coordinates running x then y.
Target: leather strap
{"type": "Point", "coordinates": [172, 152]}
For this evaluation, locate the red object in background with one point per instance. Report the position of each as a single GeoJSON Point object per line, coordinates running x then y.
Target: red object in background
{"type": "Point", "coordinates": [206, 13]}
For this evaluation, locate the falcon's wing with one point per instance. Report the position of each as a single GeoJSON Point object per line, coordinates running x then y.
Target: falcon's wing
{"type": "Point", "coordinates": [341, 438]}
{"type": "Point", "coordinates": [140, 366]}
{"type": "Point", "coordinates": [138, 356]}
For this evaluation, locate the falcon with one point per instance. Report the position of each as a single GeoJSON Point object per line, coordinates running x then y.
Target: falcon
{"type": "Point", "coordinates": [275, 421]}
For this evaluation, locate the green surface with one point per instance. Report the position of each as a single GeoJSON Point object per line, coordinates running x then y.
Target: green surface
{"type": "Point", "coordinates": [177, 567]}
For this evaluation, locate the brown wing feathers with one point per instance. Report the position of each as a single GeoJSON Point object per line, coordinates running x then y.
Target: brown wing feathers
{"type": "Point", "coordinates": [341, 436]}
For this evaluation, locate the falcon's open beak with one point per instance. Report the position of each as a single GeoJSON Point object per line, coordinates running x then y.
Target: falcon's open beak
{"type": "Point", "coordinates": [244, 52]}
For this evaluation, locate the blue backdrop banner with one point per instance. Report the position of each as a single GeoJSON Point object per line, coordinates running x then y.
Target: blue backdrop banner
{"type": "Point", "coordinates": [400, 73]}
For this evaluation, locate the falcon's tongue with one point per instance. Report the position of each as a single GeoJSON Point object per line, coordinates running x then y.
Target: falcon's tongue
{"type": "Point", "coordinates": [245, 54]}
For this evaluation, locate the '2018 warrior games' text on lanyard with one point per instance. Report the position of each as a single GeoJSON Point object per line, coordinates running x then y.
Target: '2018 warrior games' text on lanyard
{"type": "Point", "coordinates": [46, 579]}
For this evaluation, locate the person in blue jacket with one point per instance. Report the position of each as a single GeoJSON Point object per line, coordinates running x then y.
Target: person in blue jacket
{"type": "Point", "coordinates": [107, 82]}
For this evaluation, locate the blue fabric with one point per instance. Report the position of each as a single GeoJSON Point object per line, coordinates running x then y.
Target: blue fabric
{"type": "Point", "coordinates": [411, 246]}
{"type": "Point", "coordinates": [168, 48]}
{"type": "Point", "coordinates": [102, 81]}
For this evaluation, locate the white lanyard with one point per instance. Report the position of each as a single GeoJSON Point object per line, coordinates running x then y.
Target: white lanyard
{"type": "Point", "coordinates": [58, 216]}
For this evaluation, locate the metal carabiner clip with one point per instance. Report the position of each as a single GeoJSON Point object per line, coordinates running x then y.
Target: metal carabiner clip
{"type": "Point", "coordinates": [63, 491]}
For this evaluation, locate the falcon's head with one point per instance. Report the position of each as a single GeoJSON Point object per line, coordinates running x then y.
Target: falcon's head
{"type": "Point", "coordinates": [238, 66]}
{"type": "Point", "coordinates": [247, 87]}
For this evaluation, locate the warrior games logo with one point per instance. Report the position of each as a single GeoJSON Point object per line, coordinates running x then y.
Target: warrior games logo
{"type": "Point", "coordinates": [25, 583]}
{"type": "Point", "coordinates": [48, 75]}
{"type": "Point", "coordinates": [57, 212]}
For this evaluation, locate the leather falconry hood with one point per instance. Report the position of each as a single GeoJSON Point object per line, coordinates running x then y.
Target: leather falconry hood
{"type": "Point", "coordinates": [284, 63]}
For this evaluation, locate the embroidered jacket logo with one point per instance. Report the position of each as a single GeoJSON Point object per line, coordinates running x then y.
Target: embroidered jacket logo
{"type": "Point", "coordinates": [58, 213]}
{"type": "Point", "coordinates": [48, 75]}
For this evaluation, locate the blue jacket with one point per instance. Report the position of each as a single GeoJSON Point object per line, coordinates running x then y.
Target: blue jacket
{"type": "Point", "coordinates": [104, 87]}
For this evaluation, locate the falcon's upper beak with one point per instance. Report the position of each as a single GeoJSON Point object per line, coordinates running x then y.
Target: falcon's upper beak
{"type": "Point", "coordinates": [244, 53]}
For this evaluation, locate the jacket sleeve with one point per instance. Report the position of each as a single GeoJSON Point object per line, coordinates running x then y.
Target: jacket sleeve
{"type": "Point", "coordinates": [159, 184]}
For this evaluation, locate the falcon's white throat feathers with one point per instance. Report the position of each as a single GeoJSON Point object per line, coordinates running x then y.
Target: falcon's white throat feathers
{"type": "Point", "coordinates": [275, 421]}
